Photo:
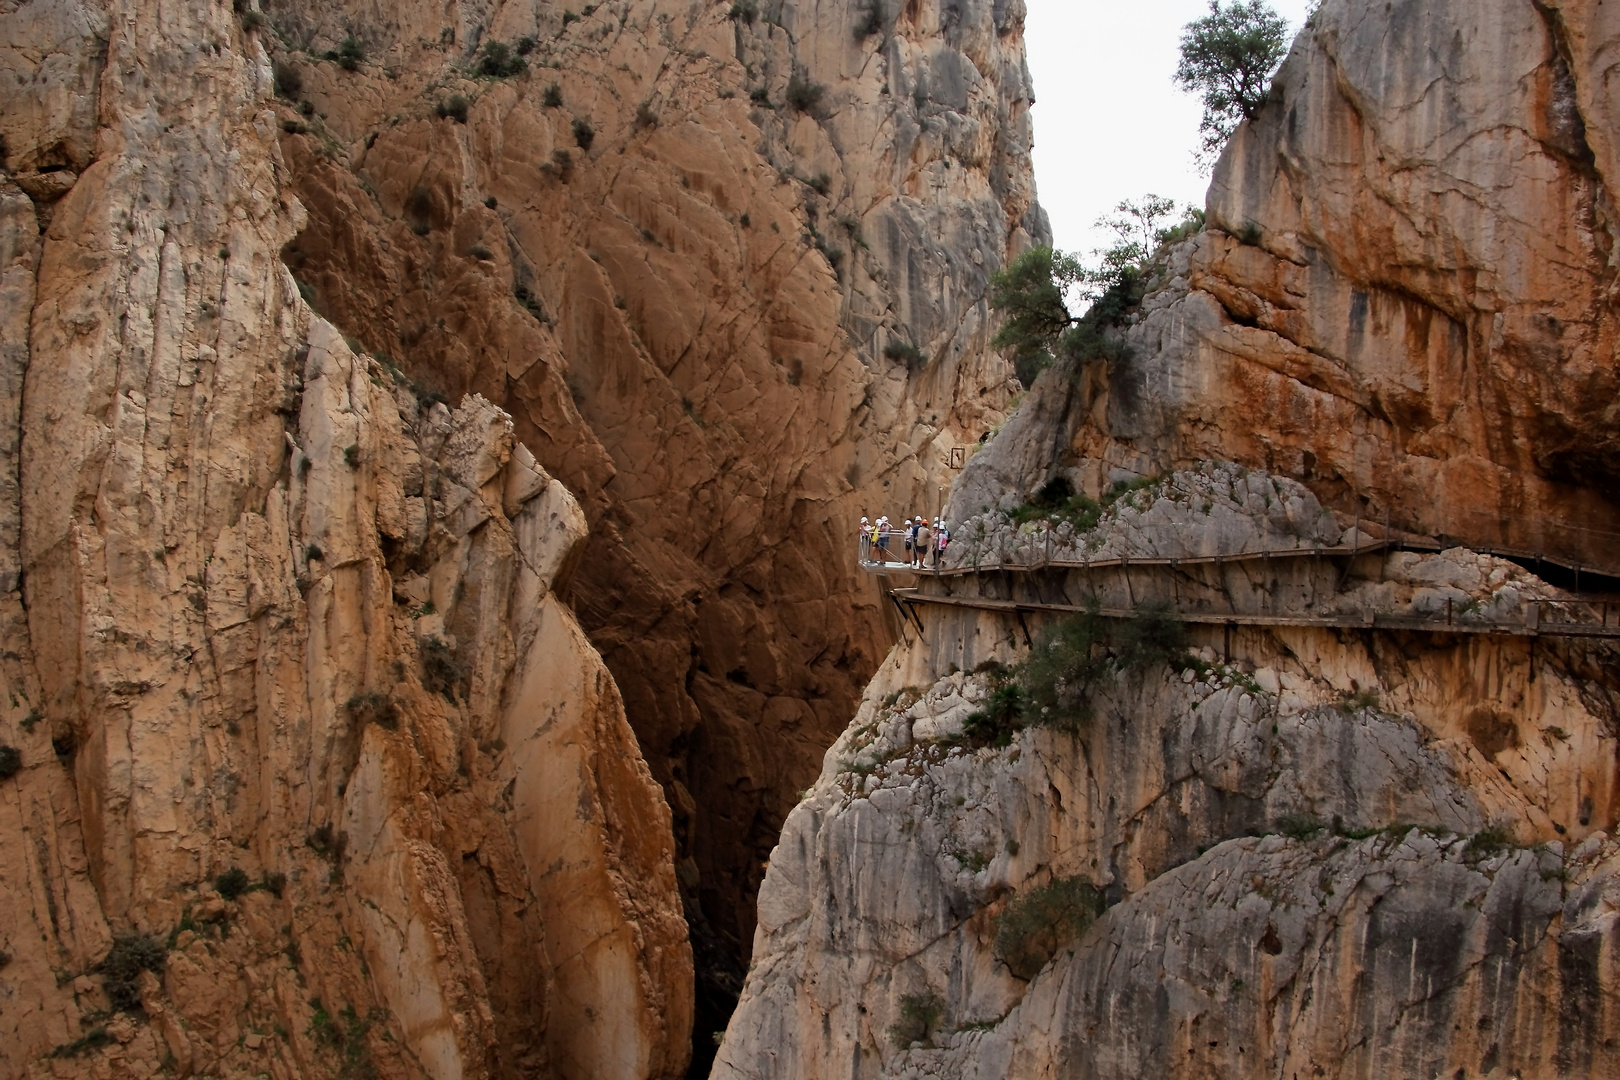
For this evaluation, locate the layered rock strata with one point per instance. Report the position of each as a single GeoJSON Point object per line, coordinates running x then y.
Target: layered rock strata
{"type": "Point", "coordinates": [726, 265]}
{"type": "Point", "coordinates": [316, 773]}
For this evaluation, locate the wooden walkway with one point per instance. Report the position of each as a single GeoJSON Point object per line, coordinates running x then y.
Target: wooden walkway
{"type": "Point", "coordinates": [1540, 618]}
{"type": "Point", "coordinates": [1435, 624]}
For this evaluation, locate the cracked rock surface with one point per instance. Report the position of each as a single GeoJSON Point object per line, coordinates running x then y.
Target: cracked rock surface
{"type": "Point", "coordinates": [1296, 851]}
{"type": "Point", "coordinates": [1403, 298]}
{"type": "Point", "coordinates": [1386, 854]}
{"type": "Point", "coordinates": [317, 773]}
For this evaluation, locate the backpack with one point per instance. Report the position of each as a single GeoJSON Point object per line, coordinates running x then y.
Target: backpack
{"type": "Point", "coordinates": [944, 538]}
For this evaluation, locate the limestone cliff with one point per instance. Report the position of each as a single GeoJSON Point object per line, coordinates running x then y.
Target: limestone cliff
{"type": "Point", "coordinates": [1311, 845]}
{"type": "Point", "coordinates": [317, 320]}
{"type": "Point", "coordinates": [312, 770]}
{"type": "Point", "coordinates": [726, 266]}
{"type": "Point", "coordinates": [1314, 852]}
{"type": "Point", "coordinates": [1404, 297]}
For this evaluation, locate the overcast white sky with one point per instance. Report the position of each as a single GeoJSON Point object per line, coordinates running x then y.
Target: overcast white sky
{"type": "Point", "coordinates": [1109, 123]}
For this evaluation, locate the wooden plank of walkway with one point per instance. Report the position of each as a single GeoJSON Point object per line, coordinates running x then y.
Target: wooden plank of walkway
{"type": "Point", "coordinates": [1346, 622]}
{"type": "Point", "coordinates": [1161, 560]}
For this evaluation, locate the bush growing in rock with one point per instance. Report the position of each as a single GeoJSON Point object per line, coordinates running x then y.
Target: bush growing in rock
{"type": "Point", "coordinates": [552, 98]}
{"type": "Point", "coordinates": [440, 671]}
{"type": "Point", "coordinates": [906, 351]}
{"type": "Point", "coordinates": [500, 62]}
{"type": "Point", "coordinates": [1300, 826]}
{"type": "Point", "coordinates": [870, 21]}
{"type": "Point", "coordinates": [1056, 501]}
{"type": "Point", "coordinates": [10, 761]}
{"type": "Point", "coordinates": [232, 883]}
{"type": "Point", "coordinates": [454, 108]}
{"type": "Point", "coordinates": [920, 1015]}
{"type": "Point", "coordinates": [561, 165]}
{"type": "Point", "coordinates": [803, 94]}
{"type": "Point", "coordinates": [584, 134]}
{"type": "Point", "coordinates": [349, 54]}
{"type": "Point", "coordinates": [744, 11]}
{"type": "Point", "coordinates": [1054, 684]}
{"type": "Point", "coordinates": [131, 954]}
{"type": "Point", "coordinates": [289, 81]}
{"type": "Point", "coordinates": [999, 720]}
{"type": "Point", "coordinates": [1039, 923]}
{"type": "Point", "coordinates": [1073, 655]}
{"type": "Point", "coordinates": [374, 708]}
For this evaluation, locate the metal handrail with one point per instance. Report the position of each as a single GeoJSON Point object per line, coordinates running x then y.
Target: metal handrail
{"type": "Point", "coordinates": [893, 543]}
{"type": "Point", "coordinates": [1552, 617]}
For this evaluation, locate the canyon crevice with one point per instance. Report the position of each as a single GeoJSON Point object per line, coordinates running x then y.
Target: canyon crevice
{"type": "Point", "coordinates": [427, 474]}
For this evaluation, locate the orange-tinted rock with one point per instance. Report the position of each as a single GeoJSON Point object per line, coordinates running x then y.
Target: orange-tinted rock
{"type": "Point", "coordinates": [1405, 296]}
{"type": "Point", "coordinates": [296, 699]}
{"type": "Point", "coordinates": [696, 323]}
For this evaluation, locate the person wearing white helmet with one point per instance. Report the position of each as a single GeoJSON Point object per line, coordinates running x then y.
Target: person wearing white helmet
{"type": "Point", "coordinates": [910, 532]}
{"type": "Point", "coordinates": [865, 537]}
{"type": "Point", "coordinates": [883, 539]}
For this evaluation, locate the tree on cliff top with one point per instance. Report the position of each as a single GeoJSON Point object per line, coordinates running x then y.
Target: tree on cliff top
{"type": "Point", "coordinates": [1228, 57]}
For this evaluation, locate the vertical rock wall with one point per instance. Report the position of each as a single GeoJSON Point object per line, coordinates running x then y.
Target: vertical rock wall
{"type": "Point", "coordinates": [319, 775]}
{"type": "Point", "coordinates": [1307, 852]}
{"type": "Point", "coordinates": [727, 267]}
{"type": "Point", "coordinates": [1405, 296]}
{"type": "Point", "coordinates": [1330, 853]}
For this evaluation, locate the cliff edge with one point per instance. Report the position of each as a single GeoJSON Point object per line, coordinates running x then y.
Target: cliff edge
{"type": "Point", "coordinates": [1184, 766]}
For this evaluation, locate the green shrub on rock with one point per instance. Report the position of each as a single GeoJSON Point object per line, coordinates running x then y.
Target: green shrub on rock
{"type": "Point", "coordinates": [232, 883]}
{"type": "Point", "coordinates": [500, 62]}
{"type": "Point", "coordinates": [920, 1016]}
{"type": "Point", "coordinates": [1039, 923]}
{"type": "Point", "coordinates": [131, 954]}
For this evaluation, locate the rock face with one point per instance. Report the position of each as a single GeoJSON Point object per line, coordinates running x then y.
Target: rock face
{"type": "Point", "coordinates": [1292, 851]}
{"type": "Point", "coordinates": [1404, 297]}
{"type": "Point", "coordinates": [1248, 823]}
{"type": "Point", "coordinates": [726, 266]}
{"type": "Point", "coordinates": [317, 320]}
{"type": "Point", "coordinates": [318, 771]}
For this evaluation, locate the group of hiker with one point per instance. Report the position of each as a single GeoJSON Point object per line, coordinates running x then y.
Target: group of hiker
{"type": "Point", "coordinates": [925, 541]}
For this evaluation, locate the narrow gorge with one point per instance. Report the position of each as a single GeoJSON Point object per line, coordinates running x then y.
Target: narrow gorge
{"type": "Point", "coordinates": [435, 642]}
{"type": "Point", "coordinates": [434, 436]}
